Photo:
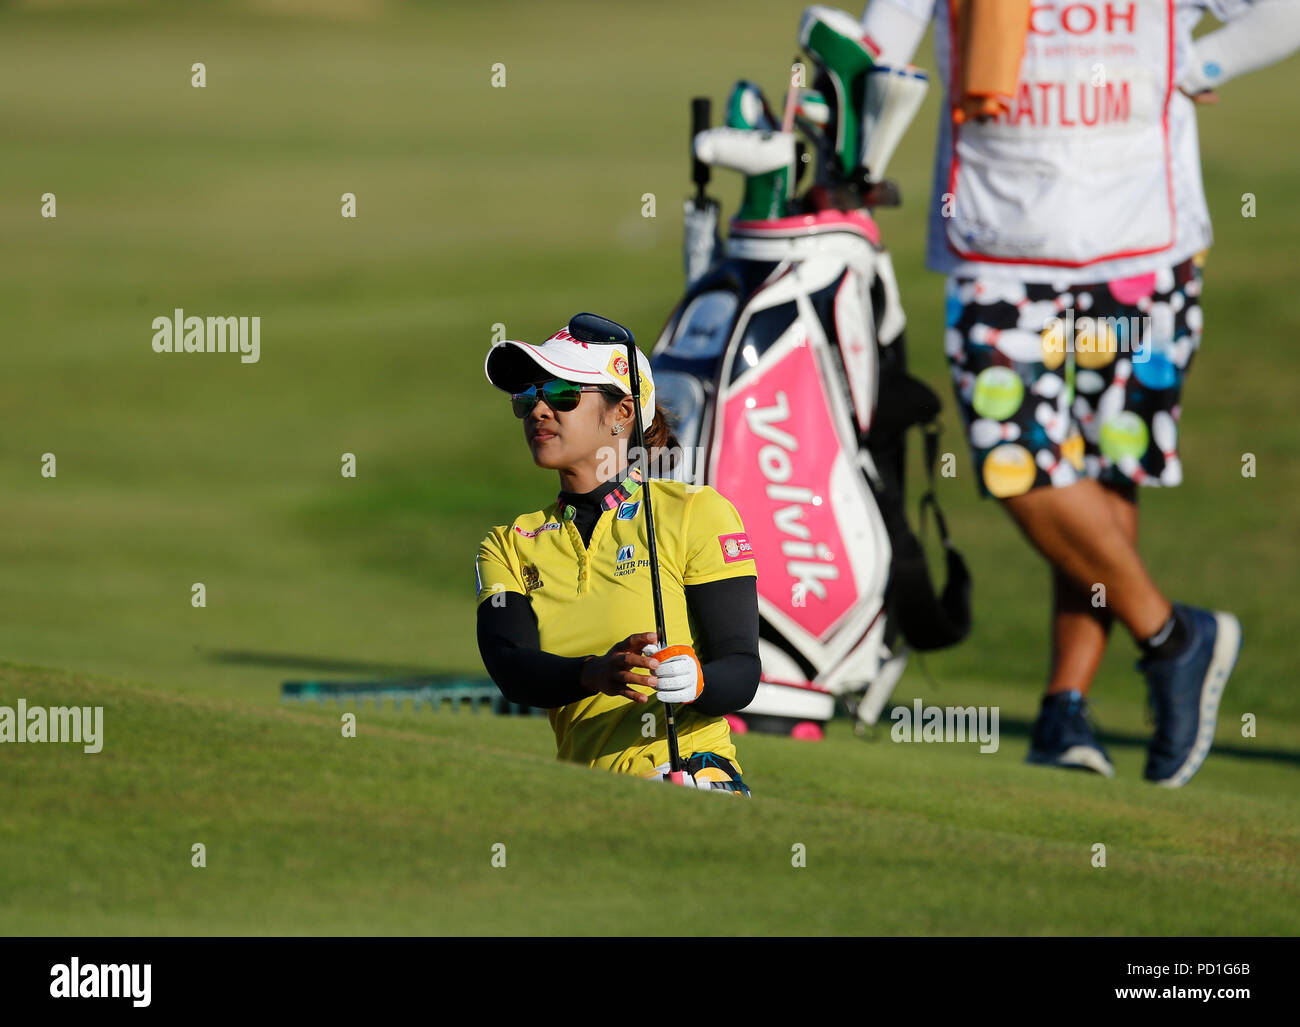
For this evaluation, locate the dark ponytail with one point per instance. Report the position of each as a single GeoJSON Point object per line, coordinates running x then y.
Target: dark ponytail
{"type": "Point", "coordinates": [663, 449]}
{"type": "Point", "coordinates": [659, 433]}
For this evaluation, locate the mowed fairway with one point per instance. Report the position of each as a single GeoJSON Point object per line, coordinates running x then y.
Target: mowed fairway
{"type": "Point", "coordinates": [395, 832]}
{"type": "Point", "coordinates": [519, 206]}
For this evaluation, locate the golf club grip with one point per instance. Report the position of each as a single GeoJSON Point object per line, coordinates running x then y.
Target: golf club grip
{"type": "Point", "coordinates": [634, 378]}
{"type": "Point", "coordinates": [701, 115]}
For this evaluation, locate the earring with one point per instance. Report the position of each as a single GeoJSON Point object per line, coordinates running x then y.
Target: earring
{"type": "Point", "coordinates": [617, 429]}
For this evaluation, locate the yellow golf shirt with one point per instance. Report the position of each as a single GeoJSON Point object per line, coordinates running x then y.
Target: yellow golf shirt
{"type": "Point", "coordinates": [587, 598]}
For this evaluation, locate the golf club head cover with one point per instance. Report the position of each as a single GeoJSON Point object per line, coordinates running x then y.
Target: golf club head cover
{"type": "Point", "coordinates": [680, 674]}
{"type": "Point", "coordinates": [766, 159]}
{"type": "Point", "coordinates": [749, 151]}
{"type": "Point", "coordinates": [893, 96]}
{"type": "Point", "coordinates": [813, 108]}
{"type": "Point", "coordinates": [747, 107]}
{"type": "Point", "coordinates": [835, 41]}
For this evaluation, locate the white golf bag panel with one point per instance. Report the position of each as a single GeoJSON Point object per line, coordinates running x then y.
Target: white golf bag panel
{"type": "Point", "coordinates": [852, 328]}
{"type": "Point", "coordinates": [892, 320]}
{"type": "Point", "coordinates": [771, 366]}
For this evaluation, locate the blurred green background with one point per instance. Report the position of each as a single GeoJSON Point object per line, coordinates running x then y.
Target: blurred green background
{"type": "Point", "coordinates": [478, 206]}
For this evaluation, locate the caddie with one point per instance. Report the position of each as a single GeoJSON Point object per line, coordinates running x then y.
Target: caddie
{"type": "Point", "coordinates": [1069, 217]}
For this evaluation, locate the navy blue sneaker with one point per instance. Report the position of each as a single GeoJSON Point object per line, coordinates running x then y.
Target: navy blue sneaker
{"type": "Point", "coordinates": [1184, 692]}
{"type": "Point", "coordinates": [1062, 736]}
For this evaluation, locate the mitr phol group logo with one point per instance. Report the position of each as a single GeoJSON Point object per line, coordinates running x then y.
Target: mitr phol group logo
{"type": "Point", "coordinates": [181, 334]}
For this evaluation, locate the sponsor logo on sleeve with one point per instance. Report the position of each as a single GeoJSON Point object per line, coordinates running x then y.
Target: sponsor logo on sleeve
{"type": "Point", "coordinates": [736, 547]}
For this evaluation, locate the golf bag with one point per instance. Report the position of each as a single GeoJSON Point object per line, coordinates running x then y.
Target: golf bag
{"type": "Point", "coordinates": [785, 368]}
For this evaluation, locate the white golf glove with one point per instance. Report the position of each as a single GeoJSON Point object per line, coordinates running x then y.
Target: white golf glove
{"type": "Point", "coordinates": [680, 676]}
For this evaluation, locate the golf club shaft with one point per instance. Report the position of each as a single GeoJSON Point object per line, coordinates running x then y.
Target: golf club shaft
{"type": "Point", "coordinates": [674, 757]}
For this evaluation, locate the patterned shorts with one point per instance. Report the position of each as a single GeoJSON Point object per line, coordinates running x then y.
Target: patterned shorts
{"type": "Point", "coordinates": [1057, 383]}
{"type": "Point", "coordinates": [711, 771]}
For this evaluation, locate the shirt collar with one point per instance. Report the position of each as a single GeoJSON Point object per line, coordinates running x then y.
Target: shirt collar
{"type": "Point", "coordinates": [605, 496]}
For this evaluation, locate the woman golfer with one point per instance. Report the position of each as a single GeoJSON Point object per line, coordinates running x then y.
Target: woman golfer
{"type": "Point", "coordinates": [565, 608]}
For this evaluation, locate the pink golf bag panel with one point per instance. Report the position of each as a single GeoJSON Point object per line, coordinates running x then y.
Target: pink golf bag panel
{"type": "Point", "coordinates": [771, 367]}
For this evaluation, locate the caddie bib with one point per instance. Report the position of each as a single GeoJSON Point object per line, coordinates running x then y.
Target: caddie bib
{"type": "Point", "coordinates": [1079, 169]}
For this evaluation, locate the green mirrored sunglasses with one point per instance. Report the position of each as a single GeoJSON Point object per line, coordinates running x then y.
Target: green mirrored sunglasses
{"type": "Point", "coordinates": [559, 395]}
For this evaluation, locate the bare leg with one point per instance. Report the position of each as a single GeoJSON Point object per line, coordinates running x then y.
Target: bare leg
{"type": "Point", "coordinates": [1078, 532]}
{"type": "Point", "coordinates": [1079, 629]}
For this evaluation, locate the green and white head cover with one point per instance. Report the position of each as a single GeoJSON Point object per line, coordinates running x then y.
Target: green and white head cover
{"type": "Point", "coordinates": [835, 41]}
{"type": "Point", "coordinates": [751, 142]}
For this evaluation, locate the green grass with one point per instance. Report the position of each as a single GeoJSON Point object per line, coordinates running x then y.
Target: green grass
{"type": "Point", "coordinates": [519, 206]}
{"type": "Point", "coordinates": [393, 831]}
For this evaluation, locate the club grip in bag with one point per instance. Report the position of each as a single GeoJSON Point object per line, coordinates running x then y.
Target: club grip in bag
{"type": "Point", "coordinates": [701, 115]}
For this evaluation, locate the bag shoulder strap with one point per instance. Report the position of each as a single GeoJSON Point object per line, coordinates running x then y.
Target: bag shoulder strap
{"type": "Point", "coordinates": [928, 620]}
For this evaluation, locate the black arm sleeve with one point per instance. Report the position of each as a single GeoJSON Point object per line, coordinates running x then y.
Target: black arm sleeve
{"type": "Point", "coordinates": [726, 617]}
{"type": "Point", "coordinates": [511, 649]}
